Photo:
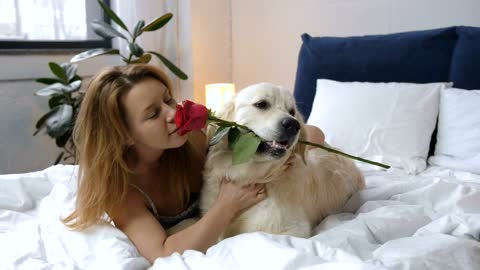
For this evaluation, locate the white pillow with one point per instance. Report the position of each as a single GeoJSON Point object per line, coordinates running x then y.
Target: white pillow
{"type": "Point", "coordinates": [458, 137]}
{"type": "Point", "coordinates": [390, 123]}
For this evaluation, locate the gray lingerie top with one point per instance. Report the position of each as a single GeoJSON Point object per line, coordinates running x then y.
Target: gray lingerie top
{"type": "Point", "coordinates": [169, 221]}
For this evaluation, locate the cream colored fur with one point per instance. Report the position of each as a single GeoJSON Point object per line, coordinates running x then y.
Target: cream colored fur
{"type": "Point", "coordinates": [302, 186]}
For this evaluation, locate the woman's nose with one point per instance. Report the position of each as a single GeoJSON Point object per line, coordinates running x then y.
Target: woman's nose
{"type": "Point", "coordinates": [170, 112]}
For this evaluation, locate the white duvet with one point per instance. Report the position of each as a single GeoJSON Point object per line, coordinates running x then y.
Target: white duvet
{"type": "Point", "coordinates": [428, 221]}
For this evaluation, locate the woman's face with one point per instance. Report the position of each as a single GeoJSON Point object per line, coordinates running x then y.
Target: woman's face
{"type": "Point", "coordinates": [150, 113]}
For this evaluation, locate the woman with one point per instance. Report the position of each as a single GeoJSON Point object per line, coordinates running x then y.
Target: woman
{"type": "Point", "coordinates": [142, 175]}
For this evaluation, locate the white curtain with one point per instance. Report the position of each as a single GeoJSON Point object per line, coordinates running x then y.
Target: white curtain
{"type": "Point", "coordinates": [172, 41]}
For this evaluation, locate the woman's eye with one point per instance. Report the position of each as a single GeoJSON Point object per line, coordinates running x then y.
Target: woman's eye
{"type": "Point", "coordinates": [261, 104]}
{"type": "Point", "coordinates": [153, 114]}
{"type": "Point", "coordinates": [168, 101]}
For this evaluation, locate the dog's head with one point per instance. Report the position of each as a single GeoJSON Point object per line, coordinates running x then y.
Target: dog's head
{"type": "Point", "coordinates": [270, 112]}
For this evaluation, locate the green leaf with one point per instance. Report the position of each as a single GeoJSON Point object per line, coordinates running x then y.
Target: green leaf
{"type": "Point", "coordinates": [158, 23]}
{"type": "Point", "coordinates": [59, 88]}
{"type": "Point", "coordinates": [70, 70]}
{"type": "Point", "coordinates": [105, 30]}
{"type": "Point", "coordinates": [219, 134]}
{"type": "Point", "coordinates": [56, 100]}
{"type": "Point", "coordinates": [62, 140]}
{"type": "Point", "coordinates": [110, 13]}
{"type": "Point", "coordinates": [48, 81]}
{"type": "Point", "coordinates": [58, 71]}
{"type": "Point", "coordinates": [93, 53]}
{"type": "Point", "coordinates": [40, 123]}
{"type": "Point", "coordinates": [76, 78]}
{"type": "Point", "coordinates": [59, 157]}
{"type": "Point", "coordinates": [135, 49]}
{"type": "Point", "coordinates": [245, 148]}
{"type": "Point", "coordinates": [72, 87]}
{"type": "Point", "coordinates": [138, 28]}
{"type": "Point", "coordinates": [233, 136]}
{"type": "Point", "coordinates": [53, 89]}
{"type": "Point", "coordinates": [144, 59]}
{"type": "Point", "coordinates": [170, 66]}
{"type": "Point", "coordinates": [60, 121]}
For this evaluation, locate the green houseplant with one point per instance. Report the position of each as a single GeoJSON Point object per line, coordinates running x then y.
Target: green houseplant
{"type": "Point", "coordinates": [63, 90]}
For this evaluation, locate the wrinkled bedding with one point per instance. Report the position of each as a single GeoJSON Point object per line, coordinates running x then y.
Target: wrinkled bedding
{"type": "Point", "coordinates": [400, 221]}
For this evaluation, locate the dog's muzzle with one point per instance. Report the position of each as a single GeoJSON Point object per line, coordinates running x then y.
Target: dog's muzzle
{"type": "Point", "coordinates": [289, 128]}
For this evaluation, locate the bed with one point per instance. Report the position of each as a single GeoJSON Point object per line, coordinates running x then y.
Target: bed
{"type": "Point", "coordinates": [420, 214]}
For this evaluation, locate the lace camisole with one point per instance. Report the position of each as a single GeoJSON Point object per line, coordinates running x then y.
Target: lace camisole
{"type": "Point", "coordinates": [170, 221]}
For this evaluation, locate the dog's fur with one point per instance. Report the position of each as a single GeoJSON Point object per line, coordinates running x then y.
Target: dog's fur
{"type": "Point", "coordinates": [303, 186]}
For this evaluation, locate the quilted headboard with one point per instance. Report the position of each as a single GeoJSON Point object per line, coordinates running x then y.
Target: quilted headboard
{"type": "Point", "coordinates": [449, 54]}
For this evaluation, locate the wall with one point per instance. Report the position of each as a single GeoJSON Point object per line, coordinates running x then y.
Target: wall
{"type": "Point", "coordinates": [266, 34]}
{"type": "Point", "coordinates": [20, 151]}
{"type": "Point", "coordinates": [211, 43]}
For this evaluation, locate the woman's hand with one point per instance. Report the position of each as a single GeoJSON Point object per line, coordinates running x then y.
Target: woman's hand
{"type": "Point", "coordinates": [235, 198]}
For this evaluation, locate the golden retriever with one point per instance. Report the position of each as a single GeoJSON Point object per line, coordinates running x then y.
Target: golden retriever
{"type": "Point", "coordinates": [303, 186]}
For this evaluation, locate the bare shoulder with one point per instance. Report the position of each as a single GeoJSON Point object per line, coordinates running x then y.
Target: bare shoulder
{"type": "Point", "coordinates": [315, 134]}
{"type": "Point", "coordinates": [133, 204]}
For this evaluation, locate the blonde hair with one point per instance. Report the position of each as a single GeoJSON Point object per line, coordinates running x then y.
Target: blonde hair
{"type": "Point", "coordinates": [101, 136]}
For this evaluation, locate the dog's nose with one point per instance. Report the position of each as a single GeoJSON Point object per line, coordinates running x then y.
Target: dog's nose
{"type": "Point", "coordinates": [290, 125]}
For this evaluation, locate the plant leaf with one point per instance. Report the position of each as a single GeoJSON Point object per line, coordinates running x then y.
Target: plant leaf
{"type": "Point", "coordinates": [56, 88]}
{"type": "Point", "coordinates": [245, 148]}
{"type": "Point", "coordinates": [62, 140]}
{"type": "Point", "coordinates": [170, 66]}
{"type": "Point", "coordinates": [219, 134]}
{"type": "Point", "coordinates": [72, 87]}
{"type": "Point", "coordinates": [105, 30]}
{"type": "Point", "coordinates": [70, 70]}
{"type": "Point", "coordinates": [110, 13]}
{"type": "Point", "coordinates": [158, 23]}
{"type": "Point", "coordinates": [60, 121]}
{"type": "Point", "coordinates": [59, 157]}
{"type": "Point", "coordinates": [233, 136]}
{"type": "Point", "coordinates": [93, 53]}
{"type": "Point", "coordinates": [48, 81]}
{"type": "Point", "coordinates": [144, 59]}
{"type": "Point", "coordinates": [56, 100]}
{"type": "Point", "coordinates": [137, 31]}
{"type": "Point", "coordinates": [41, 121]}
{"type": "Point", "coordinates": [58, 71]}
{"type": "Point", "coordinates": [135, 49]}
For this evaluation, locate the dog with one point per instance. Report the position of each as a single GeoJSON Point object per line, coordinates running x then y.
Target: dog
{"type": "Point", "coordinates": [303, 185]}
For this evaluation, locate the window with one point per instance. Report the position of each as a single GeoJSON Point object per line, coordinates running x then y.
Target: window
{"type": "Point", "coordinates": [50, 24]}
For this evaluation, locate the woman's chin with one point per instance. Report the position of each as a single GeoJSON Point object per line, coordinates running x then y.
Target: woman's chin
{"type": "Point", "coordinates": [177, 140]}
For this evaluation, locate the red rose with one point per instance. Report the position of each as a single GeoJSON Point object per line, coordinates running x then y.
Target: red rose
{"type": "Point", "coordinates": [190, 116]}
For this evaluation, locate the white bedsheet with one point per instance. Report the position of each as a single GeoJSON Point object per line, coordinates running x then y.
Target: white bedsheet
{"type": "Point", "coordinates": [428, 221]}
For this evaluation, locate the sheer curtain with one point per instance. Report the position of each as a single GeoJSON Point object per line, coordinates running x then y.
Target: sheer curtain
{"type": "Point", "coordinates": [172, 41]}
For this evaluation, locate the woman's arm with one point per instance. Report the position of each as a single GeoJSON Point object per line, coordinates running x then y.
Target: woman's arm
{"type": "Point", "coordinates": [150, 237]}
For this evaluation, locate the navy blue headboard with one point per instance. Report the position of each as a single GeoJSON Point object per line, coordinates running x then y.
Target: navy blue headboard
{"type": "Point", "coordinates": [449, 54]}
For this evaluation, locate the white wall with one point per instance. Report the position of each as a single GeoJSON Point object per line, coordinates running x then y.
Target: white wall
{"type": "Point", "coordinates": [211, 43]}
{"type": "Point", "coordinates": [266, 33]}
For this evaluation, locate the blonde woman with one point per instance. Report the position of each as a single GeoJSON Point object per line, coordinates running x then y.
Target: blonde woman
{"type": "Point", "coordinates": [143, 176]}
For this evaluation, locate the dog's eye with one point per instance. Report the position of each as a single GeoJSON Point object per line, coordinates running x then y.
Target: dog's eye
{"type": "Point", "coordinates": [292, 112]}
{"type": "Point", "coordinates": [261, 104]}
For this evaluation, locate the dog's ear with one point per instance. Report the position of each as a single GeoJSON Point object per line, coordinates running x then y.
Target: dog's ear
{"type": "Point", "coordinates": [227, 112]}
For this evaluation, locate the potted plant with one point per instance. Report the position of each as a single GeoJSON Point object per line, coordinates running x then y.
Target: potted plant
{"type": "Point", "coordinates": [63, 90]}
